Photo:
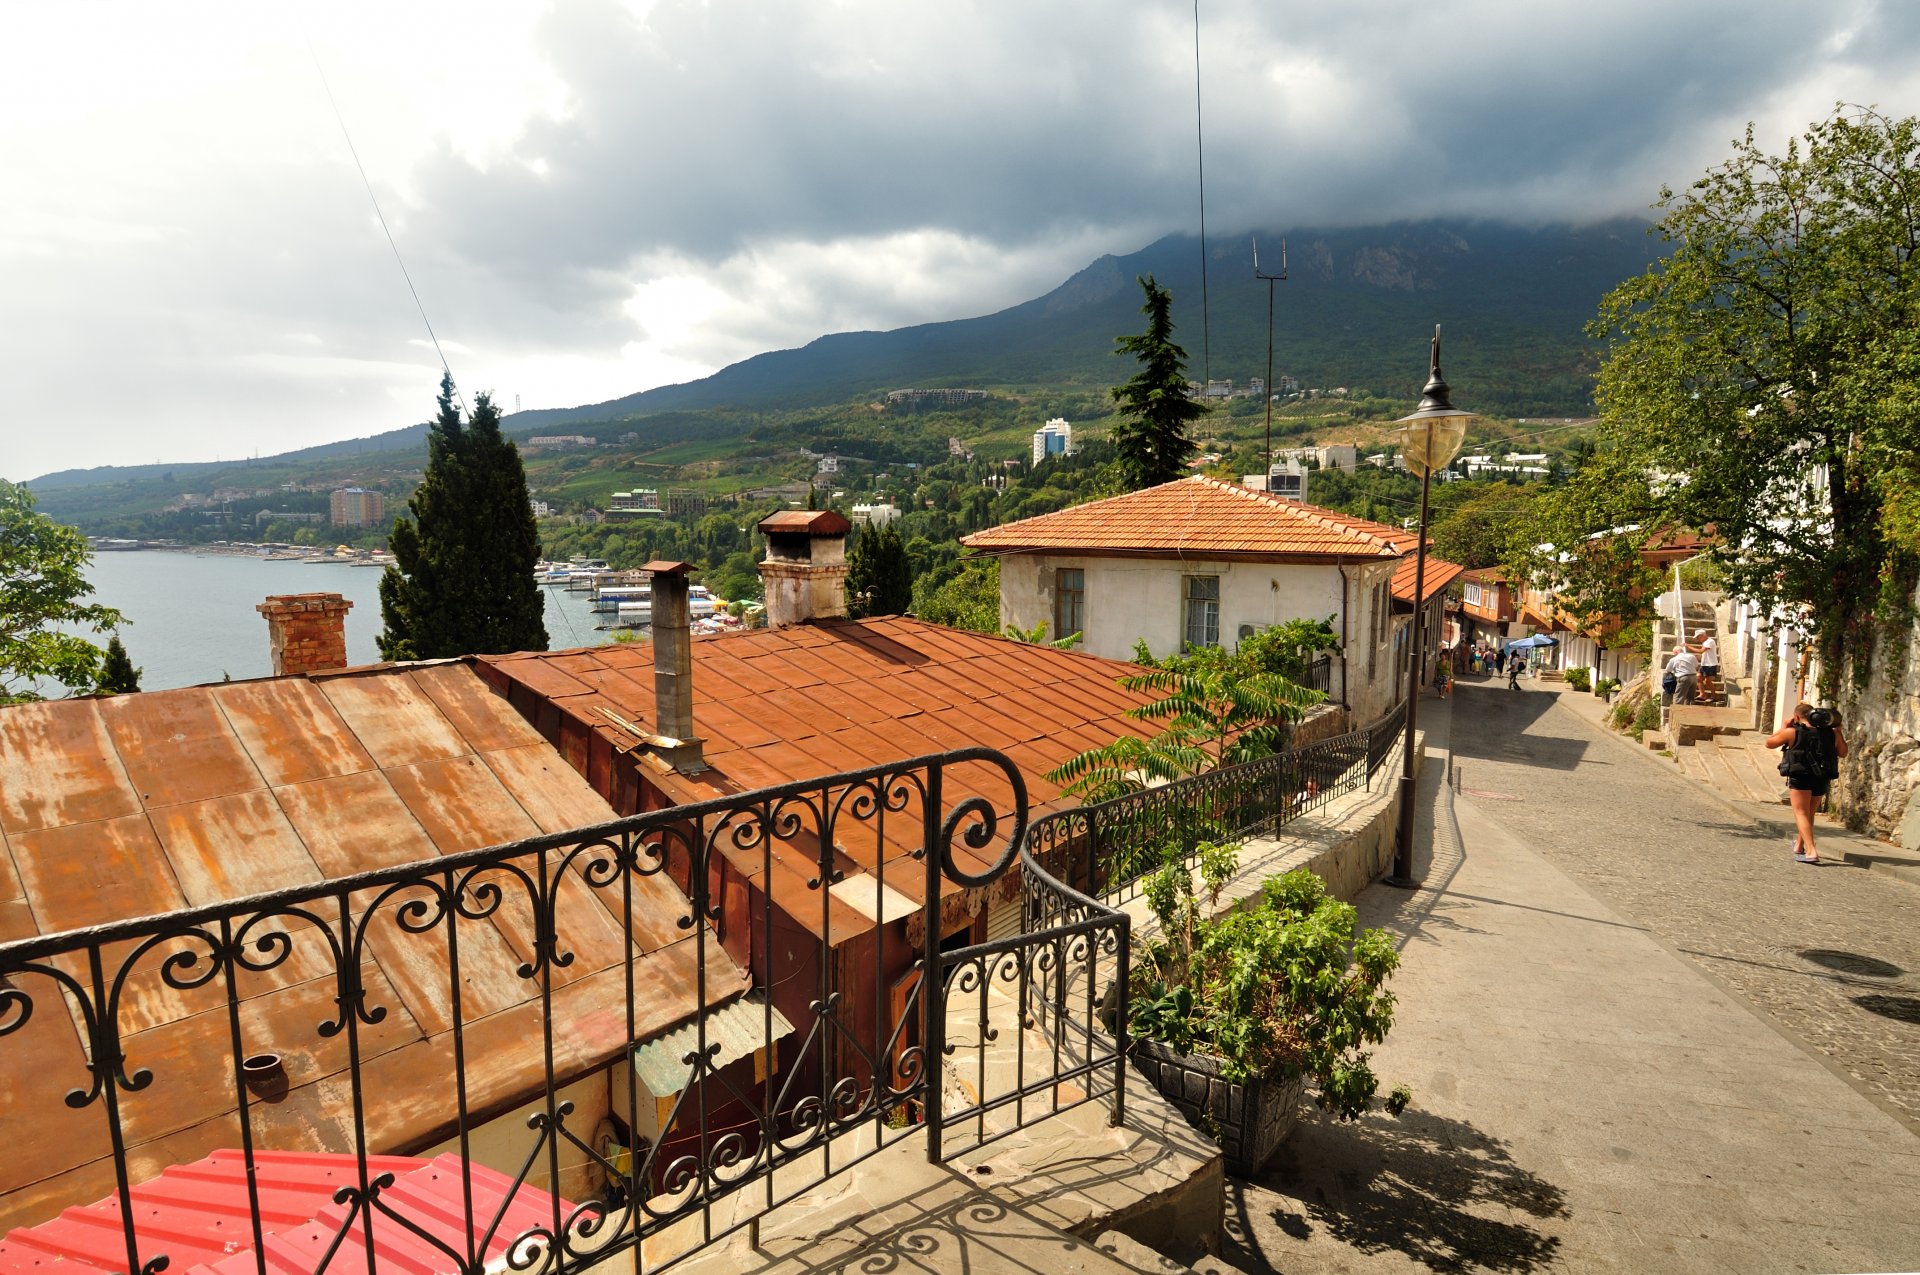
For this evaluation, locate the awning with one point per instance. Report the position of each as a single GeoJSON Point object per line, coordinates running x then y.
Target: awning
{"type": "Point", "coordinates": [739, 1027]}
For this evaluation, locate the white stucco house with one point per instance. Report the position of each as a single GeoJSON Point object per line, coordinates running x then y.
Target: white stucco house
{"type": "Point", "coordinates": [1201, 562]}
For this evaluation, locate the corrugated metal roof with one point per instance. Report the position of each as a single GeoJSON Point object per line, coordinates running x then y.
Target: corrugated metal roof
{"type": "Point", "coordinates": [777, 705]}
{"type": "Point", "coordinates": [738, 1028]}
{"type": "Point", "coordinates": [199, 1216]}
{"type": "Point", "coordinates": [143, 804]}
{"type": "Point", "coordinates": [1195, 516]}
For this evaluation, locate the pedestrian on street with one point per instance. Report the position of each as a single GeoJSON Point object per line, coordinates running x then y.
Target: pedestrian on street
{"type": "Point", "coordinates": [1813, 746]}
{"type": "Point", "coordinates": [1708, 649]}
{"type": "Point", "coordinates": [1500, 660]}
{"type": "Point", "coordinates": [1684, 667]}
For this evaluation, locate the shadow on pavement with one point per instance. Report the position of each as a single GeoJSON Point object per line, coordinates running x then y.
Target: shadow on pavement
{"type": "Point", "coordinates": [1494, 728]}
{"type": "Point", "coordinates": [1439, 1191]}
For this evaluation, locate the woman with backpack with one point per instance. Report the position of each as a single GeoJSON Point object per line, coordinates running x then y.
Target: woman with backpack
{"type": "Point", "coordinates": [1813, 747]}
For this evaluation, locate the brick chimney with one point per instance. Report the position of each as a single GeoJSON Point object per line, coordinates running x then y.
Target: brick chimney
{"type": "Point", "coordinates": [674, 741]}
{"type": "Point", "coordinates": [805, 571]}
{"type": "Point", "coordinates": [308, 631]}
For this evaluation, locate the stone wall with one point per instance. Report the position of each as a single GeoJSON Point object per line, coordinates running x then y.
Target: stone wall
{"type": "Point", "coordinates": [1879, 785]}
{"type": "Point", "coordinates": [1323, 721]}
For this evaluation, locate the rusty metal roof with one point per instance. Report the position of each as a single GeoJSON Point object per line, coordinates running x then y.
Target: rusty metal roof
{"type": "Point", "coordinates": [198, 1214]}
{"type": "Point", "coordinates": [142, 804]}
{"type": "Point", "coordinates": [777, 705]}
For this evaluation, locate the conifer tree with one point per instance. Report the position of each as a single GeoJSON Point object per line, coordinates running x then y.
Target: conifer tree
{"type": "Point", "coordinates": [118, 676]}
{"type": "Point", "coordinates": [462, 580]}
{"type": "Point", "coordinates": [879, 580]}
{"type": "Point", "coordinates": [1155, 408]}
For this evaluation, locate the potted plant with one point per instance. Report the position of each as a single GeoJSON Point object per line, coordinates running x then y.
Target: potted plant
{"type": "Point", "coordinates": [1232, 1016]}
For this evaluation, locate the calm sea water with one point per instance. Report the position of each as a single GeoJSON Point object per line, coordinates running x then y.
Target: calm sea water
{"type": "Point", "coordinates": [192, 618]}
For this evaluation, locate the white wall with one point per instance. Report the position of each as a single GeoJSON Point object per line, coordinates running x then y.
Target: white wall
{"type": "Point", "coordinates": [1128, 599]}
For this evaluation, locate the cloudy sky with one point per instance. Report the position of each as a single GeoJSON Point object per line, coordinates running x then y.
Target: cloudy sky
{"type": "Point", "coordinates": [594, 198]}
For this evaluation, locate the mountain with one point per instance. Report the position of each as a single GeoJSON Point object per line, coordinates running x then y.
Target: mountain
{"type": "Point", "coordinates": [1356, 310]}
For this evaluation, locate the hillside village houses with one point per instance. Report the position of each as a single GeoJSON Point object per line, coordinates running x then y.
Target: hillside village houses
{"type": "Point", "coordinates": [1199, 562]}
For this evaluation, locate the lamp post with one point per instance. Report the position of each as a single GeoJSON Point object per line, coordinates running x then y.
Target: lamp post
{"type": "Point", "coordinates": [1428, 440]}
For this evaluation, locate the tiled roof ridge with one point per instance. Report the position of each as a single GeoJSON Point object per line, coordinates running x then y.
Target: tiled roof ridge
{"type": "Point", "coordinates": [1328, 518]}
{"type": "Point", "coordinates": [996, 637]}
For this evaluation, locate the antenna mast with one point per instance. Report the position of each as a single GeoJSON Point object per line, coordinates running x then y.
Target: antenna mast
{"type": "Point", "coordinates": [1271, 280]}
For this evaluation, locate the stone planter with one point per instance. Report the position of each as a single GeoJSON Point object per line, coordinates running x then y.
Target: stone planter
{"type": "Point", "coordinates": [1249, 1119]}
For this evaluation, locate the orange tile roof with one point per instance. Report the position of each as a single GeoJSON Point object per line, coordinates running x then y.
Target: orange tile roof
{"type": "Point", "coordinates": [1196, 516]}
{"type": "Point", "coordinates": [134, 805]}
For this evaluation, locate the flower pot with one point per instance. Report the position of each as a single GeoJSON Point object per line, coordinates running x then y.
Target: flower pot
{"type": "Point", "coordinates": [1249, 1119]}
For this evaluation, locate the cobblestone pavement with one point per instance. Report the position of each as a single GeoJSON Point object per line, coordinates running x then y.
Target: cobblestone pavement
{"type": "Point", "coordinates": [1830, 954]}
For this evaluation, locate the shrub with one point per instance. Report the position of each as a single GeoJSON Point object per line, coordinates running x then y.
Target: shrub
{"type": "Point", "coordinates": [1606, 686]}
{"type": "Point", "coordinates": [1579, 679]}
{"type": "Point", "coordinates": [1648, 716]}
{"type": "Point", "coordinates": [1282, 989]}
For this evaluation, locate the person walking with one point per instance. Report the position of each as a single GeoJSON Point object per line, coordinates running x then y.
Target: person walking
{"type": "Point", "coordinates": [1812, 745]}
{"type": "Point", "coordinates": [1707, 647]}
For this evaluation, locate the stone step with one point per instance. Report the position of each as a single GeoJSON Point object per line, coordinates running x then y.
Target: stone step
{"type": "Point", "coordinates": [1150, 1261]}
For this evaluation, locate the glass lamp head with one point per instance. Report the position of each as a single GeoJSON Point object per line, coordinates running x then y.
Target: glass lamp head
{"type": "Point", "coordinates": [1432, 435]}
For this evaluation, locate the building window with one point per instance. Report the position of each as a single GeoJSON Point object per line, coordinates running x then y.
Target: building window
{"type": "Point", "coordinates": [1069, 602]}
{"type": "Point", "coordinates": [1203, 612]}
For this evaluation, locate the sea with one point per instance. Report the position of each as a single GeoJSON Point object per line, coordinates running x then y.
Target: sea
{"type": "Point", "coordinates": [191, 618]}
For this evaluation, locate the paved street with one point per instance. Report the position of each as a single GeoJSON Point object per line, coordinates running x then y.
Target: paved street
{"type": "Point", "coordinates": [1830, 954]}
{"type": "Point", "coordinates": [1639, 1036]}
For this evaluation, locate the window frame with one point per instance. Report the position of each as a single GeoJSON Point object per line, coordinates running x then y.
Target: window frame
{"type": "Point", "coordinates": [1062, 592]}
{"type": "Point", "coordinates": [1210, 618]}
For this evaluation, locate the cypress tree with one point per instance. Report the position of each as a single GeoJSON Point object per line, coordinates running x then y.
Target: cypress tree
{"type": "Point", "coordinates": [1151, 433]}
{"type": "Point", "coordinates": [462, 580]}
{"type": "Point", "coordinates": [879, 579]}
{"type": "Point", "coordinates": [118, 676]}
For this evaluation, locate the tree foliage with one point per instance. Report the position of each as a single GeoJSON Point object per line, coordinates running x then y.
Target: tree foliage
{"type": "Point", "coordinates": [1150, 433]}
{"type": "Point", "coordinates": [462, 583]}
{"type": "Point", "coordinates": [1217, 710]}
{"type": "Point", "coordinates": [879, 581]}
{"type": "Point", "coordinates": [1761, 383]}
{"type": "Point", "coordinates": [1483, 531]}
{"type": "Point", "coordinates": [118, 676]}
{"type": "Point", "coordinates": [42, 584]}
{"type": "Point", "coordinates": [967, 599]}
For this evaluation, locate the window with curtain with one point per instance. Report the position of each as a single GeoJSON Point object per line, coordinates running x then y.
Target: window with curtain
{"type": "Point", "coordinates": [1203, 612]}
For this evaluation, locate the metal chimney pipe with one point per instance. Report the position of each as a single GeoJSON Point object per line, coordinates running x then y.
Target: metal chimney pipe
{"type": "Point", "coordinates": [673, 668]}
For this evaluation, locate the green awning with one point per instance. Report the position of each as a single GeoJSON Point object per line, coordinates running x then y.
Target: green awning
{"type": "Point", "coordinates": [739, 1027]}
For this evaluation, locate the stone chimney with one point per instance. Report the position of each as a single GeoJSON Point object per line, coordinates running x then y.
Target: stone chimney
{"type": "Point", "coordinates": [308, 631]}
{"type": "Point", "coordinates": [674, 741]}
{"type": "Point", "coordinates": [805, 572]}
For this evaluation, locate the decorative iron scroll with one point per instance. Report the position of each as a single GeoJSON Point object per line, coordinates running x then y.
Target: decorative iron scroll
{"type": "Point", "coordinates": [548, 960]}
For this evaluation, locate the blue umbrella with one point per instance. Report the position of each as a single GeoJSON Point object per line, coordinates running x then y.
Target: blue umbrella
{"type": "Point", "coordinates": [1528, 643]}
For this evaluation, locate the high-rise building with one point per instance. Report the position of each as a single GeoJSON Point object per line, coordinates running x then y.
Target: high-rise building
{"type": "Point", "coordinates": [1055, 438]}
{"type": "Point", "coordinates": [358, 507]}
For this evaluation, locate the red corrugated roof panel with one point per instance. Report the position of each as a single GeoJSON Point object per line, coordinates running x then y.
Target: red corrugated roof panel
{"type": "Point", "coordinates": [199, 1216]}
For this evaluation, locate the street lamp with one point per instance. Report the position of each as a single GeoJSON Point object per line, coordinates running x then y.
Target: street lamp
{"type": "Point", "coordinates": [1428, 440]}
{"type": "Point", "coordinates": [1271, 279]}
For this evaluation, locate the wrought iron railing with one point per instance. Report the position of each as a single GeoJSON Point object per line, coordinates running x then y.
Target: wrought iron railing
{"type": "Point", "coordinates": [461, 988]}
{"type": "Point", "coordinates": [1109, 848]}
{"type": "Point", "coordinates": [1319, 675]}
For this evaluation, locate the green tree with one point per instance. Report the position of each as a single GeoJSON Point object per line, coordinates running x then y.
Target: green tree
{"type": "Point", "coordinates": [1217, 712]}
{"type": "Point", "coordinates": [879, 582]}
{"type": "Point", "coordinates": [1480, 532]}
{"type": "Point", "coordinates": [462, 580]}
{"type": "Point", "coordinates": [42, 582]}
{"type": "Point", "coordinates": [118, 676]}
{"type": "Point", "coordinates": [1762, 382]}
{"type": "Point", "coordinates": [1155, 408]}
{"type": "Point", "coordinates": [969, 598]}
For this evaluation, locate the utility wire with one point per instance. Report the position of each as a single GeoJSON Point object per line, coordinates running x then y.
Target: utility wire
{"type": "Point", "coordinates": [1200, 148]}
{"type": "Point", "coordinates": [382, 217]}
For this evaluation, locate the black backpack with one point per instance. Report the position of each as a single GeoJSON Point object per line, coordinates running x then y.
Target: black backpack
{"type": "Point", "coordinates": [1812, 754]}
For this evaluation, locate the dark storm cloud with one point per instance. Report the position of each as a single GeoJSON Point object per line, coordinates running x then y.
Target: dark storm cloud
{"type": "Point", "coordinates": [703, 129]}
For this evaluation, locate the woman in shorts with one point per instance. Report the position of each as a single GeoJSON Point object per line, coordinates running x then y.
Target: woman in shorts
{"type": "Point", "coordinates": [1805, 789]}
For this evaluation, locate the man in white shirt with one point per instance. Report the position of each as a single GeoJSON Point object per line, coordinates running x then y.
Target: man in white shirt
{"type": "Point", "coordinates": [1685, 669]}
{"type": "Point", "coordinates": [1708, 649]}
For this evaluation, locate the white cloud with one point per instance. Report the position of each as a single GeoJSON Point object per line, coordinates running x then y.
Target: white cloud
{"type": "Point", "coordinates": [596, 197]}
